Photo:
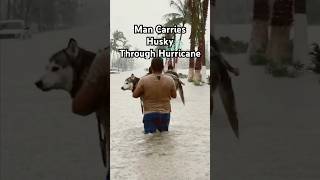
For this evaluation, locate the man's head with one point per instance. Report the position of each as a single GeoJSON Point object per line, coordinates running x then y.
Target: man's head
{"type": "Point", "coordinates": [157, 65]}
{"type": "Point", "coordinates": [170, 67]}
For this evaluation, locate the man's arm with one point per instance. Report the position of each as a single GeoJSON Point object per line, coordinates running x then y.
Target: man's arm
{"type": "Point", "coordinates": [92, 91]}
{"type": "Point", "coordinates": [138, 92]}
{"type": "Point", "coordinates": [87, 99]}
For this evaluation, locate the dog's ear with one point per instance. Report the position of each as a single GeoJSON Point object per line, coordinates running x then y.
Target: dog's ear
{"type": "Point", "coordinates": [73, 48]}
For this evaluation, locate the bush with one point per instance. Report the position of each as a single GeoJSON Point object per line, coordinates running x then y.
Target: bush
{"type": "Point", "coordinates": [258, 59]}
{"type": "Point", "coordinates": [277, 69]}
{"type": "Point", "coordinates": [284, 68]}
{"type": "Point", "coordinates": [315, 53]}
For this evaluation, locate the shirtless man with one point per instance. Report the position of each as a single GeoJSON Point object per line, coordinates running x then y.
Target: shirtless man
{"type": "Point", "coordinates": [156, 90]}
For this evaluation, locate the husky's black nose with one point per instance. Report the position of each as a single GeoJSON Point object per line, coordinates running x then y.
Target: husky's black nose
{"type": "Point", "coordinates": [39, 84]}
{"type": "Point", "coordinates": [122, 88]}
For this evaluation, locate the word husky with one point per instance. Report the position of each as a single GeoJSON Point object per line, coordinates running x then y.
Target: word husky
{"type": "Point", "coordinates": [131, 83]}
{"type": "Point", "coordinates": [151, 41]}
{"type": "Point", "coordinates": [67, 70]}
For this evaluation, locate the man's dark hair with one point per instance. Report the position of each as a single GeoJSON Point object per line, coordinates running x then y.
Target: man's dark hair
{"type": "Point", "coordinates": [157, 64]}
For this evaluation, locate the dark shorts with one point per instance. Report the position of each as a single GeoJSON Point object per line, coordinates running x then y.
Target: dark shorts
{"type": "Point", "coordinates": [154, 121]}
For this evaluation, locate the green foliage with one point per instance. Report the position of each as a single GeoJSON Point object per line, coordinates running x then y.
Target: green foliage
{"type": "Point", "coordinates": [284, 68]}
{"type": "Point", "coordinates": [118, 37]}
{"type": "Point", "coordinates": [258, 59]}
{"type": "Point", "coordinates": [197, 83]}
{"type": "Point", "coordinates": [315, 58]}
{"type": "Point", "coordinates": [277, 69]}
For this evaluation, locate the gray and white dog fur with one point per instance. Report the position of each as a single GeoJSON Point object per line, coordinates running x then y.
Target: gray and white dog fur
{"type": "Point", "coordinates": [67, 70]}
{"type": "Point", "coordinates": [131, 82]}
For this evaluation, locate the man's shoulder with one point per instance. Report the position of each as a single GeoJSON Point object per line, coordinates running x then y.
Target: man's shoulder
{"type": "Point", "coordinates": [145, 77]}
{"type": "Point", "coordinates": [168, 77]}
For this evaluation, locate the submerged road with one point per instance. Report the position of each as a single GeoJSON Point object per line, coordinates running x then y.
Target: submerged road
{"type": "Point", "coordinates": [180, 154]}
{"type": "Point", "coordinates": [40, 137]}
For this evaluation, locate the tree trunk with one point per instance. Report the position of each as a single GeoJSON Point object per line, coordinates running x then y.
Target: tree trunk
{"type": "Point", "coordinates": [9, 10]}
{"type": "Point", "coordinates": [199, 73]}
{"type": "Point", "coordinates": [28, 8]}
{"type": "Point", "coordinates": [205, 15]}
{"type": "Point", "coordinates": [260, 25]}
{"type": "Point", "coordinates": [279, 45]}
{"type": "Point", "coordinates": [179, 47]}
{"type": "Point", "coordinates": [192, 39]}
{"type": "Point", "coordinates": [213, 3]}
{"type": "Point", "coordinates": [174, 60]}
{"type": "Point", "coordinates": [300, 41]}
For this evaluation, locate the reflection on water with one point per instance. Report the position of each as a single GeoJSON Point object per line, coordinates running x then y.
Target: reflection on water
{"type": "Point", "coordinates": [181, 153]}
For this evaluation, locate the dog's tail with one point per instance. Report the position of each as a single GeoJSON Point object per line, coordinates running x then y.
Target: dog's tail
{"type": "Point", "coordinates": [228, 99]}
{"type": "Point", "coordinates": [180, 89]}
{"type": "Point", "coordinates": [141, 104]}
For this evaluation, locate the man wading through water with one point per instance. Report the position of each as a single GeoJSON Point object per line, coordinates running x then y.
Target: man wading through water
{"type": "Point", "coordinates": [156, 91]}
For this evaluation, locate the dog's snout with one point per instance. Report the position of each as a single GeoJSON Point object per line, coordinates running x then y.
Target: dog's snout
{"type": "Point", "coordinates": [39, 84]}
{"type": "Point", "coordinates": [122, 88]}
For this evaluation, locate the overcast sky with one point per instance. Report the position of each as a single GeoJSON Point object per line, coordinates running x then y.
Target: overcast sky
{"type": "Point", "coordinates": [125, 13]}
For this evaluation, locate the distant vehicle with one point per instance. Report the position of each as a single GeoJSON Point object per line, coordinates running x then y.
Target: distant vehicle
{"type": "Point", "coordinates": [14, 29]}
{"type": "Point", "coordinates": [114, 71]}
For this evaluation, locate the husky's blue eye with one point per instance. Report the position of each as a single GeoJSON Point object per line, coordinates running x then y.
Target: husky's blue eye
{"type": "Point", "coordinates": [54, 69]}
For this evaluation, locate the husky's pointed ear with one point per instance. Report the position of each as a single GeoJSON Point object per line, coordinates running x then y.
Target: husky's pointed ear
{"type": "Point", "coordinates": [73, 48]}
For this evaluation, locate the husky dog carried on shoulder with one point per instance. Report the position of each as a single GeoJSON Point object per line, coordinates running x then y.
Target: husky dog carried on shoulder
{"type": "Point", "coordinates": [131, 82]}
{"type": "Point", "coordinates": [67, 70]}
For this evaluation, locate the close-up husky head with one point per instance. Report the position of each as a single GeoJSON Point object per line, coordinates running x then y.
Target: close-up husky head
{"type": "Point", "coordinates": [66, 69]}
{"type": "Point", "coordinates": [130, 83]}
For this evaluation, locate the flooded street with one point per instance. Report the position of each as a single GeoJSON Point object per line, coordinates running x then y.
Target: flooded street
{"type": "Point", "coordinates": [180, 154]}
{"type": "Point", "coordinates": [40, 137]}
{"type": "Point", "coordinates": [279, 122]}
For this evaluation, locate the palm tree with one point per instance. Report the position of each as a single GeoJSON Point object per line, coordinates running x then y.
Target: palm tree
{"type": "Point", "coordinates": [260, 26]}
{"type": "Point", "coordinates": [212, 9]}
{"type": "Point", "coordinates": [9, 9]}
{"type": "Point", "coordinates": [201, 62]}
{"type": "Point", "coordinates": [171, 22]}
{"type": "Point", "coordinates": [194, 16]}
{"type": "Point", "coordinates": [124, 63]}
{"type": "Point", "coordinates": [279, 46]}
{"type": "Point", "coordinates": [117, 37]}
{"type": "Point", "coordinates": [179, 18]}
{"type": "Point", "coordinates": [182, 17]}
{"type": "Point", "coordinates": [300, 51]}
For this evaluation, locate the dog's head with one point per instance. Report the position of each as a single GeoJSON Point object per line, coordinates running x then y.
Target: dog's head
{"type": "Point", "coordinates": [59, 72]}
{"type": "Point", "coordinates": [130, 83]}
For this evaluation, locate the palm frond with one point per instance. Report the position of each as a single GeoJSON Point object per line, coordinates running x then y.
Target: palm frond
{"type": "Point", "coordinates": [171, 15]}
{"type": "Point", "coordinates": [177, 5]}
{"type": "Point", "coordinates": [174, 22]}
